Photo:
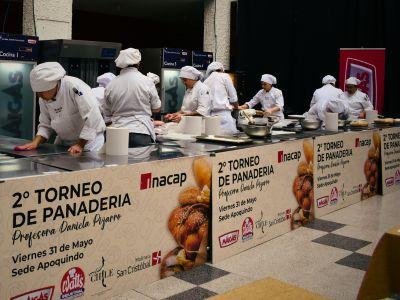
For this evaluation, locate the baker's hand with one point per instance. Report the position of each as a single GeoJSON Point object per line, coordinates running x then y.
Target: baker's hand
{"type": "Point", "coordinates": [244, 106]}
{"type": "Point", "coordinates": [158, 123]}
{"type": "Point", "coordinates": [362, 115]}
{"type": "Point", "coordinates": [75, 149]}
{"type": "Point", "coordinates": [176, 117]}
{"type": "Point", "coordinates": [26, 147]}
{"type": "Point", "coordinates": [268, 112]}
{"type": "Point", "coordinates": [168, 117]}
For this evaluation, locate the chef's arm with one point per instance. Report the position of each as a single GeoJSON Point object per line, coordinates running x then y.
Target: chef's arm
{"type": "Point", "coordinates": [279, 103]}
{"type": "Point", "coordinates": [176, 117]}
{"type": "Point", "coordinates": [107, 108]}
{"type": "Point", "coordinates": [78, 147]}
{"type": "Point", "coordinates": [271, 110]}
{"type": "Point", "coordinates": [155, 101]}
{"type": "Point", "coordinates": [275, 109]}
{"type": "Point", "coordinates": [44, 127]}
{"type": "Point", "coordinates": [313, 100]}
{"type": "Point", "coordinates": [235, 105]}
{"type": "Point", "coordinates": [81, 143]}
{"type": "Point", "coordinates": [191, 113]}
{"type": "Point", "coordinates": [253, 102]}
{"type": "Point", "coordinates": [90, 113]}
{"type": "Point", "coordinates": [203, 103]}
{"type": "Point", "coordinates": [37, 140]}
{"type": "Point", "coordinates": [232, 94]}
{"type": "Point", "coordinates": [367, 105]}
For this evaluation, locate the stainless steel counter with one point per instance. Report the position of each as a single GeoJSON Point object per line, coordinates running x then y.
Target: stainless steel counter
{"type": "Point", "coordinates": [49, 158]}
{"type": "Point", "coordinates": [93, 160]}
{"type": "Point", "coordinates": [24, 167]}
{"type": "Point", "coordinates": [7, 145]}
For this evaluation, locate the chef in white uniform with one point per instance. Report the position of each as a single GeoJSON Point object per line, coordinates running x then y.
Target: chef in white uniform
{"type": "Point", "coordinates": [334, 104]}
{"type": "Point", "coordinates": [131, 98]}
{"type": "Point", "coordinates": [103, 80]}
{"type": "Point", "coordinates": [196, 101]}
{"type": "Point", "coordinates": [68, 107]}
{"type": "Point", "coordinates": [156, 80]}
{"type": "Point", "coordinates": [270, 98]}
{"type": "Point", "coordinates": [358, 101]}
{"type": "Point", "coordinates": [327, 91]}
{"type": "Point", "coordinates": [223, 96]}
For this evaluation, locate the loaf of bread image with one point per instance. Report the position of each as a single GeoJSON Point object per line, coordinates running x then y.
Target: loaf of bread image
{"type": "Point", "coordinates": [188, 223]}
{"type": "Point", "coordinates": [303, 189]}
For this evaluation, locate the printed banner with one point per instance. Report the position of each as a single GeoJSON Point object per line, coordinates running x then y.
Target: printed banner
{"type": "Point", "coordinates": [260, 193]}
{"type": "Point", "coordinates": [95, 234]}
{"type": "Point", "coordinates": [390, 148]}
{"type": "Point", "coordinates": [346, 168]}
{"type": "Point", "coordinates": [368, 65]}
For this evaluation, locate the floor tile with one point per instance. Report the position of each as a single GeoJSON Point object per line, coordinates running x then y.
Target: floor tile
{"type": "Point", "coordinates": [342, 242]}
{"type": "Point", "coordinates": [379, 219]}
{"type": "Point", "coordinates": [196, 293]}
{"type": "Point", "coordinates": [282, 262]}
{"type": "Point", "coordinates": [131, 295]}
{"type": "Point", "coordinates": [355, 260]}
{"type": "Point", "coordinates": [360, 233]}
{"type": "Point", "coordinates": [201, 274]}
{"type": "Point", "coordinates": [325, 225]}
{"type": "Point", "coordinates": [369, 249]}
{"type": "Point", "coordinates": [333, 281]}
{"type": "Point", "coordinates": [226, 283]}
{"type": "Point", "coordinates": [164, 288]}
{"type": "Point", "coordinates": [289, 240]}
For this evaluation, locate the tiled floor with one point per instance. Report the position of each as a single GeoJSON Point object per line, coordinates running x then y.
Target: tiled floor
{"type": "Point", "coordinates": [328, 257]}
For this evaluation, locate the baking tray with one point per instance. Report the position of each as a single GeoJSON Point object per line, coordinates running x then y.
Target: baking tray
{"type": "Point", "coordinates": [358, 128]}
{"type": "Point", "coordinates": [224, 139]}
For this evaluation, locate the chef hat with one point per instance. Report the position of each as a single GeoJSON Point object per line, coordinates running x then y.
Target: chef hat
{"type": "Point", "coordinates": [353, 81]}
{"type": "Point", "coordinates": [190, 73]}
{"type": "Point", "coordinates": [213, 67]}
{"type": "Point", "coordinates": [105, 79]}
{"type": "Point", "coordinates": [336, 105]}
{"type": "Point", "coordinates": [153, 77]}
{"type": "Point", "coordinates": [128, 57]}
{"type": "Point", "coordinates": [328, 79]}
{"type": "Point", "coordinates": [45, 76]}
{"type": "Point", "coordinates": [268, 78]}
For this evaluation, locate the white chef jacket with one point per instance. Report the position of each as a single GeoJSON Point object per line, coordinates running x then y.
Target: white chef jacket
{"type": "Point", "coordinates": [129, 101]}
{"type": "Point", "coordinates": [73, 115]}
{"type": "Point", "coordinates": [222, 94]}
{"type": "Point", "coordinates": [99, 93]}
{"type": "Point", "coordinates": [269, 100]}
{"type": "Point", "coordinates": [197, 99]}
{"type": "Point", "coordinates": [358, 102]}
{"type": "Point", "coordinates": [326, 92]}
{"type": "Point", "coordinates": [318, 110]}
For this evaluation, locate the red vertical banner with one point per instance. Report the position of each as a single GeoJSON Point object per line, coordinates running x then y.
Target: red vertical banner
{"type": "Point", "coordinates": [368, 65]}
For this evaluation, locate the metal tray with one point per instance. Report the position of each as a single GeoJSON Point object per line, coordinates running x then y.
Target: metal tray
{"type": "Point", "coordinates": [225, 139]}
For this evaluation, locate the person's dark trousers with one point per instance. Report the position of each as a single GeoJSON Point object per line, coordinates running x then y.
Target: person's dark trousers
{"type": "Point", "coordinates": [139, 140]}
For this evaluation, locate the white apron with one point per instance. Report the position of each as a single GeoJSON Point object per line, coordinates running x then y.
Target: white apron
{"type": "Point", "coordinates": [228, 123]}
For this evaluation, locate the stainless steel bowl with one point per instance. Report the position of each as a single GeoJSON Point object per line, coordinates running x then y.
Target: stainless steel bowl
{"type": "Point", "coordinates": [256, 131]}
{"type": "Point", "coordinates": [310, 124]}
